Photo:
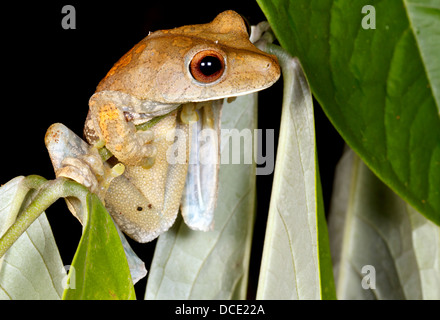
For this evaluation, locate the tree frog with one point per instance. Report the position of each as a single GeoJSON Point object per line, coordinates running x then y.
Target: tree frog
{"type": "Point", "coordinates": [175, 79]}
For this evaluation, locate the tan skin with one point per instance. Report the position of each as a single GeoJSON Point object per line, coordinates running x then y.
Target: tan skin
{"type": "Point", "coordinates": [164, 74]}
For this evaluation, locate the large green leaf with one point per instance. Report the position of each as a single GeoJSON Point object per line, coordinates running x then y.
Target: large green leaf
{"type": "Point", "coordinates": [424, 16]}
{"type": "Point", "coordinates": [375, 235]}
{"type": "Point", "coordinates": [32, 267]}
{"type": "Point", "coordinates": [99, 269]}
{"type": "Point", "coordinates": [296, 261]}
{"type": "Point", "coordinates": [214, 264]}
{"type": "Point", "coordinates": [379, 87]}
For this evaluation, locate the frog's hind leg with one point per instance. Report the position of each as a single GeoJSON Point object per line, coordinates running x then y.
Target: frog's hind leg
{"type": "Point", "coordinates": [134, 212]}
{"type": "Point", "coordinates": [145, 202]}
{"type": "Point", "coordinates": [140, 213]}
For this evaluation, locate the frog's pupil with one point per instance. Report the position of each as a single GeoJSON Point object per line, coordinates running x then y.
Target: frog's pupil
{"type": "Point", "coordinates": [210, 65]}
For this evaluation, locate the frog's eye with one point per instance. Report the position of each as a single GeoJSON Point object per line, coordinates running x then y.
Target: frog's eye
{"type": "Point", "coordinates": [207, 66]}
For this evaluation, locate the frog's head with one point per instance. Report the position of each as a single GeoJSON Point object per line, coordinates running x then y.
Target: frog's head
{"type": "Point", "coordinates": [194, 63]}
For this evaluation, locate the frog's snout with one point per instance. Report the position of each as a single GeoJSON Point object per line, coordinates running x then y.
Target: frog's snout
{"type": "Point", "coordinates": [269, 68]}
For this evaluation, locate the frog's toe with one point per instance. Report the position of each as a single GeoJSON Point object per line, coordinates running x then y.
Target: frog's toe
{"type": "Point", "coordinates": [148, 162]}
{"type": "Point", "coordinates": [149, 151]}
{"type": "Point", "coordinates": [95, 163]}
{"type": "Point", "coordinates": [146, 136]}
{"type": "Point", "coordinates": [189, 113]}
{"type": "Point", "coordinates": [79, 171]}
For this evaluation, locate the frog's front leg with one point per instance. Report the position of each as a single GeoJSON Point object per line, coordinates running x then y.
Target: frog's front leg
{"type": "Point", "coordinates": [73, 158]}
{"type": "Point", "coordinates": [107, 121]}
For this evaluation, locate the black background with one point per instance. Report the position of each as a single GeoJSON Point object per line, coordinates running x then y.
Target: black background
{"type": "Point", "coordinates": [50, 73]}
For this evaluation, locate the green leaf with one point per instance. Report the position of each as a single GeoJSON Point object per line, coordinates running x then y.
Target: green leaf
{"type": "Point", "coordinates": [424, 16]}
{"type": "Point", "coordinates": [12, 195]}
{"type": "Point", "coordinates": [99, 269]}
{"type": "Point", "coordinates": [32, 267]}
{"type": "Point", "coordinates": [379, 87]}
{"type": "Point", "coordinates": [296, 261]}
{"type": "Point", "coordinates": [191, 264]}
{"type": "Point", "coordinates": [371, 227]}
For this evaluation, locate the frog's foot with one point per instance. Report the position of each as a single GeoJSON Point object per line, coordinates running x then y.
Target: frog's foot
{"type": "Point", "coordinates": [137, 150]}
{"type": "Point", "coordinates": [90, 171]}
{"type": "Point", "coordinates": [83, 170]}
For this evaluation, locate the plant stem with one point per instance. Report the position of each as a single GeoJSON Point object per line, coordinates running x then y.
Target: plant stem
{"type": "Point", "coordinates": [47, 193]}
